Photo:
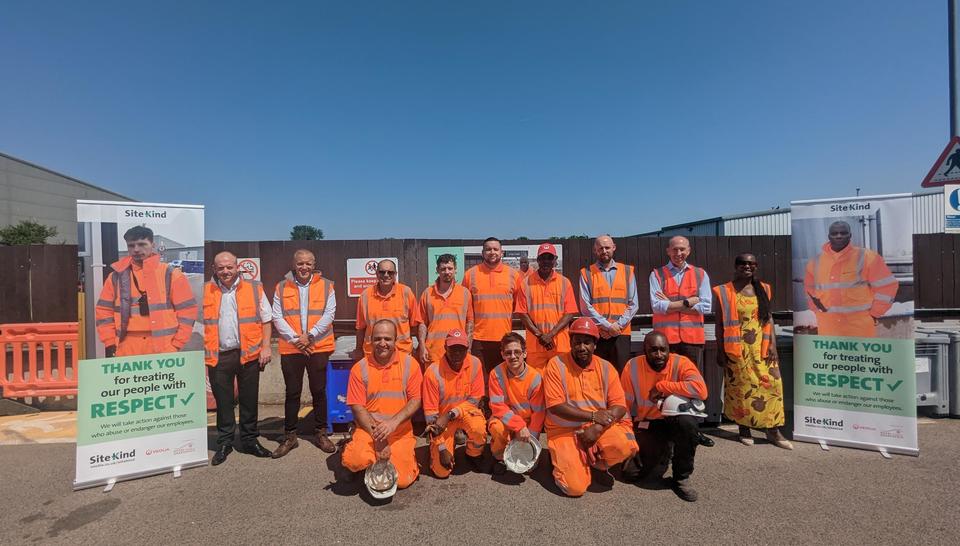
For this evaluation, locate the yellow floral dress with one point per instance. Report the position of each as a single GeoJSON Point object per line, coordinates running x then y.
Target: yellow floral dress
{"type": "Point", "coordinates": [752, 387]}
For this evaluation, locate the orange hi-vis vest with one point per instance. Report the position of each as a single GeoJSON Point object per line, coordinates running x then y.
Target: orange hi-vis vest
{"type": "Point", "coordinates": [726, 295]}
{"type": "Point", "coordinates": [547, 301]}
{"type": "Point", "coordinates": [517, 400]}
{"type": "Point", "coordinates": [443, 314]}
{"type": "Point", "coordinates": [493, 291]}
{"type": "Point", "coordinates": [589, 389]}
{"type": "Point", "coordinates": [318, 293]}
{"type": "Point", "coordinates": [680, 327]}
{"type": "Point", "coordinates": [680, 376]}
{"type": "Point", "coordinates": [399, 306]}
{"type": "Point", "coordinates": [446, 390]}
{"type": "Point", "coordinates": [386, 388]}
{"type": "Point", "coordinates": [609, 301]}
{"type": "Point", "coordinates": [173, 310]}
{"type": "Point", "coordinates": [249, 321]}
{"type": "Point", "coordinates": [853, 280]}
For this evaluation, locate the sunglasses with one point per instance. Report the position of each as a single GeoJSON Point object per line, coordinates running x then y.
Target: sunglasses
{"type": "Point", "coordinates": [387, 273]}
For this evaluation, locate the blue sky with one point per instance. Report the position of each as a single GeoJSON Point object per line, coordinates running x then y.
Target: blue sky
{"type": "Point", "coordinates": [468, 119]}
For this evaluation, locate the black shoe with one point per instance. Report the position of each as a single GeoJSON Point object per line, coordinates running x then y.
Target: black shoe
{"type": "Point", "coordinates": [221, 455]}
{"type": "Point", "coordinates": [499, 468]}
{"type": "Point", "coordinates": [476, 462]}
{"type": "Point", "coordinates": [683, 490]}
{"type": "Point", "coordinates": [256, 450]}
{"type": "Point", "coordinates": [704, 440]}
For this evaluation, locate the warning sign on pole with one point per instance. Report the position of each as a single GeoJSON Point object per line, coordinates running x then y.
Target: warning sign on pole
{"type": "Point", "coordinates": [362, 272]}
{"type": "Point", "coordinates": [249, 268]}
{"type": "Point", "coordinates": [947, 168]}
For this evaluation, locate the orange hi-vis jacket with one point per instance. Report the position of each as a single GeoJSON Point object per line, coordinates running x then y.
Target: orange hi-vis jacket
{"type": "Point", "coordinates": [446, 390]}
{"type": "Point", "coordinates": [590, 389]}
{"type": "Point", "coordinates": [318, 293]}
{"type": "Point", "coordinates": [609, 301]}
{"type": "Point", "coordinates": [726, 296]}
{"type": "Point", "coordinates": [441, 314]}
{"type": "Point", "coordinates": [384, 390]}
{"type": "Point", "coordinates": [249, 321]}
{"type": "Point", "coordinates": [517, 400]}
{"type": "Point", "coordinates": [493, 291]}
{"type": "Point", "coordinates": [546, 302]}
{"type": "Point", "coordinates": [680, 376]}
{"type": "Point", "coordinates": [680, 327]}
{"type": "Point", "coordinates": [173, 309]}
{"type": "Point", "coordinates": [854, 280]}
{"type": "Point", "coordinates": [398, 306]}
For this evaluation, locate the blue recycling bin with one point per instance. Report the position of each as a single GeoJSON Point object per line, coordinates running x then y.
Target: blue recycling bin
{"type": "Point", "coordinates": [339, 415]}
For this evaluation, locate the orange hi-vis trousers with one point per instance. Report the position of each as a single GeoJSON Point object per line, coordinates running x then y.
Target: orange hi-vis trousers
{"type": "Point", "coordinates": [570, 468]}
{"type": "Point", "coordinates": [473, 424]}
{"type": "Point", "coordinates": [538, 360]}
{"type": "Point", "coordinates": [358, 454]}
{"type": "Point", "coordinates": [500, 436]}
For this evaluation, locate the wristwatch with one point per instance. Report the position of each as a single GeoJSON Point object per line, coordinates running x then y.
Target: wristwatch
{"type": "Point", "coordinates": [451, 415]}
{"type": "Point", "coordinates": [686, 303]}
{"type": "Point", "coordinates": [310, 337]}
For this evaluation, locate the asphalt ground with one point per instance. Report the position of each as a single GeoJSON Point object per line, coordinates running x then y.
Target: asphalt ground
{"type": "Point", "coordinates": [758, 494]}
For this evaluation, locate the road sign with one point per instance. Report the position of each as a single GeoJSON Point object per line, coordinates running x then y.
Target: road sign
{"type": "Point", "coordinates": [947, 168]}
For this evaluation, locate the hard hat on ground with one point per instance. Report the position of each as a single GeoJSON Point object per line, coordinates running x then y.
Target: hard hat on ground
{"type": "Point", "coordinates": [520, 457]}
{"type": "Point", "coordinates": [679, 405]}
{"type": "Point", "coordinates": [584, 325]}
{"type": "Point", "coordinates": [381, 479]}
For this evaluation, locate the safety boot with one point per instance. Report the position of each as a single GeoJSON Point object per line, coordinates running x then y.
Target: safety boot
{"type": "Point", "coordinates": [289, 442]}
{"type": "Point", "coordinates": [683, 490]}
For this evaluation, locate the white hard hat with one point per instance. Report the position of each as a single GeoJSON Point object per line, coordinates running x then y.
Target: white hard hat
{"type": "Point", "coordinates": [381, 479]}
{"type": "Point", "coordinates": [520, 457]}
{"type": "Point", "coordinates": [678, 405]}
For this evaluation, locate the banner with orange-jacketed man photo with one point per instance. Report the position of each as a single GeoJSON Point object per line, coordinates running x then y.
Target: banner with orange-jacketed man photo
{"type": "Point", "coordinates": [853, 355]}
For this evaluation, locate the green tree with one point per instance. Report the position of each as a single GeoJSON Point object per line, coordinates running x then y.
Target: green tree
{"type": "Point", "coordinates": [306, 233]}
{"type": "Point", "coordinates": [27, 232]}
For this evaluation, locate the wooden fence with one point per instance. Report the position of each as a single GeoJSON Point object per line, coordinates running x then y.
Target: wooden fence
{"type": "Point", "coordinates": [38, 283]}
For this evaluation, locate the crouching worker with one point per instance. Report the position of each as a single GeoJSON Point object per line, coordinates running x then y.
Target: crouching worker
{"type": "Point", "coordinates": [384, 392]}
{"type": "Point", "coordinates": [587, 420]}
{"type": "Point", "coordinates": [516, 398]}
{"type": "Point", "coordinates": [647, 380]}
{"type": "Point", "coordinates": [452, 389]}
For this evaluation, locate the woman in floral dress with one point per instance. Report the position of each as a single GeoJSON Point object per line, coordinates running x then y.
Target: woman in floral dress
{"type": "Point", "coordinates": [747, 350]}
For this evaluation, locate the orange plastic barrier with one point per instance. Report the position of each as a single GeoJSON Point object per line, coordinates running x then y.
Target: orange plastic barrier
{"type": "Point", "coordinates": [40, 376]}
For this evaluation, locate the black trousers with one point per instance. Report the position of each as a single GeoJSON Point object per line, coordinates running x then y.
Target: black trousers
{"type": "Point", "coordinates": [671, 440]}
{"type": "Point", "coordinates": [489, 353]}
{"type": "Point", "coordinates": [615, 350]}
{"type": "Point", "coordinates": [247, 376]}
{"type": "Point", "coordinates": [293, 367]}
{"type": "Point", "coordinates": [691, 351]}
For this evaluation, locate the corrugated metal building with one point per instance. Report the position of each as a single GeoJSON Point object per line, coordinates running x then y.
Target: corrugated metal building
{"type": "Point", "coordinates": [31, 192]}
{"type": "Point", "coordinates": [927, 218]}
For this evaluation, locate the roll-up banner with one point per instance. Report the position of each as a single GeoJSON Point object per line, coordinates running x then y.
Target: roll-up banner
{"type": "Point", "coordinates": [854, 362]}
{"type": "Point", "coordinates": [141, 405]}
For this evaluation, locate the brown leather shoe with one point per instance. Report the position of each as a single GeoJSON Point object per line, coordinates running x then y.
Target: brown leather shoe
{"type": "Point", "coordinates": [289, 442]}
{"type": "Point", "coordinates": [324, 442]}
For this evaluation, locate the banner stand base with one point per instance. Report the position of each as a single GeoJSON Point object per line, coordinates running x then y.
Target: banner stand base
{"type": "Point", "coordinates": [110, 483]}
{"type": "Point", "coordinates": [176, 471]}
{"type": "Point", "coordinates": [824, 446]}
{"type": "Point", "coordinates": [884, 453]}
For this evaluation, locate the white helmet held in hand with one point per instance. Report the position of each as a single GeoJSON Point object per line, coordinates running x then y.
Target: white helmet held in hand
{"type": "Point", "coordinates": [520, 457]}
{"type": "Point", "coordinates": [678, 405]}
{"type": "Point", "coordinates": [381, 479]}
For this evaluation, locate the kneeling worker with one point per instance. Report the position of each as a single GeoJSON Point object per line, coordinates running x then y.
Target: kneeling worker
{"type": "Point", "coordinates": [384, 392]}
{"type": "Point", "coordinates": [647, 379]}
{"type": "Point", "coordinates": [452, 389]}
{"type": "Point", "coordinates": [516, 397]}
{"type": "Point", "coordinates": [587, 420]}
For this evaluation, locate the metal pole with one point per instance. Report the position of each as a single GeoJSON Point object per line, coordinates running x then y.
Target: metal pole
{"type": "Point", "coordinates": [954, 71]}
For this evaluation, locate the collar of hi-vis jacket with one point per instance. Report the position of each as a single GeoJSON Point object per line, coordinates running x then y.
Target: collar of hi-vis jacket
{"type": "Point", "coordinates": [843, 252]}
{"type": "Point", "coordinates": [150, 262]}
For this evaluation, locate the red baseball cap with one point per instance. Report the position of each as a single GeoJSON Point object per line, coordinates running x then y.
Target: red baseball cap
{"type": "Point", "coordinates": [584, 325]}
{"type": "Point", "coordinates": [457, 337]}
{"type": "Point", "coordinates": [547, 248]}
